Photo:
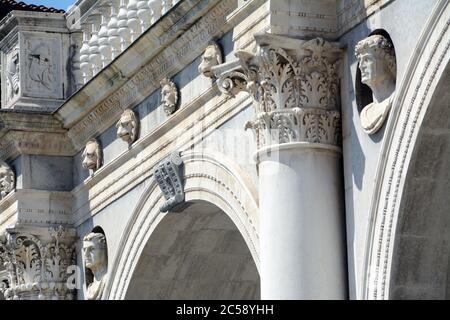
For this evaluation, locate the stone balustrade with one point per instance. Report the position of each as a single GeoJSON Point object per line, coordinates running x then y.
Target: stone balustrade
{"type": "Point", "coordinates": [110, 28]}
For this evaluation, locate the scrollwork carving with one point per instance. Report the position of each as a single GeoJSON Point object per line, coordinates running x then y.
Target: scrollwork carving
{"type": "Point", "coordinates": [169, 176]}
{"type": "Point", "coordinates": [294, 85]}
{"type": "Point", "coordinates": [37, 265]}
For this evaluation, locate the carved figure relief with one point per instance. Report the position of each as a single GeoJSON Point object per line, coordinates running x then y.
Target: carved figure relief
{"type": "Point", "coordinates": [43, 66]}
{"type": "Point", "coordinates": [92, 155]}
{"type": "Point", "coordinates": [376, 58]}
{"type": "Point", "coordinates": [12, 74]}
{"type": "Point", "coordinates": [212, 57]}
{"type": "Point", "coordinates": [169, 96]}
{"type": "Point", "coordinates": [96, 260]}
{"type": "Point", "coordinates": [168, 175]}
{"type": "Point", "coordinates": [128, 126]}
{"type": "Point", "coordinates": [7, 180]}
{"type": "Point", "coordinates": [37, 267]}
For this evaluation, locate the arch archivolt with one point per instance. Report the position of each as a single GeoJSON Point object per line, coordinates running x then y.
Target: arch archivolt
{"type": "Point", "coordinates": [413, 97]}
{"type": "Point", "coordinates": [221, 183]}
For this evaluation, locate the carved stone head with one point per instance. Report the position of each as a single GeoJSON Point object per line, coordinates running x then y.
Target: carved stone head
{"type": "Point", "coordinates": [128, 126]}
{"type": "Point", "coordinates": [92, 155]}
{"type": "Point", "coordinates": [95, 251]}
{"type": "Point", "coordinates": [169, 96]}
{"type": "Point", "coordinates": [212, 57]}
{"type": "Point", "coordinates": [376, 58]}
{"type": "Point", "coordinates": [7, 179]}
{"type": "Point", "coordinates": [96, 260]}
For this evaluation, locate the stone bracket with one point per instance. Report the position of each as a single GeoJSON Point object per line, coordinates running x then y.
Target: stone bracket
{"type": "Point", "coordinates": [169, 176]}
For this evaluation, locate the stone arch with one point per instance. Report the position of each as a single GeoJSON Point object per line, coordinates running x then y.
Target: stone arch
{"type": "Point", "coordinates": [412, 106]}
{"type": "Point", "coordinates": [220, 183]}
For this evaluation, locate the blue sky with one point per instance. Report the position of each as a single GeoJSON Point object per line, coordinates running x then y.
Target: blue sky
{"type": "Point", "coordinates": [59, 4]}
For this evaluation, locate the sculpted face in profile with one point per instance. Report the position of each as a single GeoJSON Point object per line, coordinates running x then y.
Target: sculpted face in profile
{"type": "Point", "coordinates": [127, 126]}
{"type": "Point", "coordinates": [169, 96]}
{"type": "Point", "coordinates": [378, 70]}
{"type": "Point", "coordinates": [96, 260]}
{"type": "Point", "coordinates": [212, 57]}
{"type": "Point", "coordinates": [92, 155]}
{"type": "Point", "coordinates": [6, 180]}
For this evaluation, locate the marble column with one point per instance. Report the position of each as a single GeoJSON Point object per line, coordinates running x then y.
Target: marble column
{"type": "Point", "coordinates": [295, 86]}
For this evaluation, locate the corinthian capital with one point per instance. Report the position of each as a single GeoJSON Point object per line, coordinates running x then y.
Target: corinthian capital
{"type": "Point", "coordinates": [295, 89]}
{"type": "Point", "coordinates": [36, 261]}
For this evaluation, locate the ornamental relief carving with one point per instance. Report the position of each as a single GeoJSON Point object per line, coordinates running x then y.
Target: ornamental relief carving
{"type": "Point", "coordinates": [295, 89]}
{"type": "Point", "coordinates": [12, 74]}
{"type": "Point", "coordinates": [169, 176]}
{"type": "Point", "coordinates": [37, 267]}
{"type": "Point", "coordinates": [376, 57]}
{"type": "Point", "coordinates": [7, 179]}
{"type": "Point", "coordinates": [43, 67]}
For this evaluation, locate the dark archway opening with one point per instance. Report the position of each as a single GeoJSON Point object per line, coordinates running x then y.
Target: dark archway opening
{"type": "Point", "coordinates": [195, 254]}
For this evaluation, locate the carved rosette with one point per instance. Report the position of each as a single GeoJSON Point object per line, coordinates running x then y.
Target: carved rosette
{"type": "Point", "coordinates": [37, 265]}
{"type": "Point", "coordinates": [295, 89]}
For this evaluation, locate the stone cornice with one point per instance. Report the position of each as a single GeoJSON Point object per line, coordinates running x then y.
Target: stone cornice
{"type": "Point", "coordinates": [32, 133]}
{"type": "Point", "coordinates": [28, 121]}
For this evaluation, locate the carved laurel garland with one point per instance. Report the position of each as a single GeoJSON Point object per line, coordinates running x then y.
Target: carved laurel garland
{"type": "Point", "coordinates": [37, 269]}
{"type": "Point", "coordinates": [377, 269]}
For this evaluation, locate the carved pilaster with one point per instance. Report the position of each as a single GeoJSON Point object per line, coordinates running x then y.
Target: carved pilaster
{"type": "Point", "coordinates": [295, 87]}
{"type": "Point", "coordinates": [36, 261]}
{"type": "Point", "coordinates": [169, 176]}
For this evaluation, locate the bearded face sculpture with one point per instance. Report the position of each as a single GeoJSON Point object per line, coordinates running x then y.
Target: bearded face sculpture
{"type": "Point", "coordinates": [377, 64]}
{"type": "Point", "coordinates": [169, 96]}
{"type": "Point", "coordinates": [92, 156]}
{"type": "Point", "coordinates": [128, 126]}
{"type": "Point", "coordinates": [212, 57]}
{"type": "Point", "coordinates": [7, 179]}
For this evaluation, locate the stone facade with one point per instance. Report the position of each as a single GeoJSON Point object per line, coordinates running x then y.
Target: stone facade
{"type": "Point", "coordinates": [206, 149]}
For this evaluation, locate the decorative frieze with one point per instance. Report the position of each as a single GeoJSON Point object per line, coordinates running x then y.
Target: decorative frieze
{"type": "Point", "coordinates": [295, 88]}
{"type": "Point", "coordinates": [169, 176]}
{"type": "Point", "coordinates": [37, 261]}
